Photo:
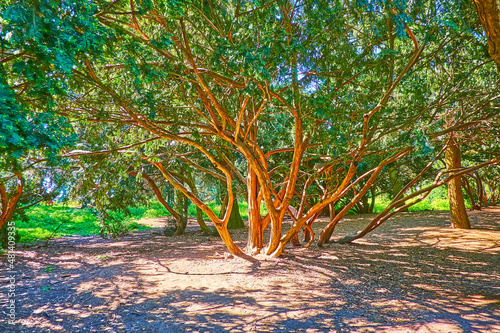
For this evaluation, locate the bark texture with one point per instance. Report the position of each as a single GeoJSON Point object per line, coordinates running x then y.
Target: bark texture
{"type": "Point", "coordinates": [181, 205]}
{"type": "Point", "coordinates": [255, 239]}
{"type": "Point", "coordinates": [8, 207]}
{"type": "Point", "coordinates": [489, 14]}
{"type": "Point", "coordinates": [459, 218]}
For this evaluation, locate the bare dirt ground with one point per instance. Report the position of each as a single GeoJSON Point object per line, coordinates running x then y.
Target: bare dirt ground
{"type": "Point", "coordinates": [413, 274]}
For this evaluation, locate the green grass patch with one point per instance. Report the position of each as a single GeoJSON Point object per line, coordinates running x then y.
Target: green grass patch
{"type": "Point", "coordinates": [435, 204]}
{"type": "Point", "coordinates": [216, 208]}
{"type": "Point", "coordinates": [40, 222]}
{"type": "Point", "coordinates": [436, 200]}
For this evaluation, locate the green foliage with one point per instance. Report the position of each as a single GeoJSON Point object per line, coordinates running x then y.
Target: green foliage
{"type": "Point", "coordinates": [22, 130]}
{"type": "Point", "coordinates": [54, 34]}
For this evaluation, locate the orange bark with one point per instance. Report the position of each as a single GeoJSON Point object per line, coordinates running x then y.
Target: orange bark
{"type": "Point", "coordinates": [327, 231]}
{"type": "Point", "coordinates": [459, 218]}
{"type": "Point", "coordinates": [489, 14]}
{"type": "Point", "coordinates": [9, 204]}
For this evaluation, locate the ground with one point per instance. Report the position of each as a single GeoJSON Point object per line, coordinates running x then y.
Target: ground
{"type": "Point", "coordinates": [413, 274]}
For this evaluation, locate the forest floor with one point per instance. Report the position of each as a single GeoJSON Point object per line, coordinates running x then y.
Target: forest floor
{"type": "Point", "coordinates": [413, 274]}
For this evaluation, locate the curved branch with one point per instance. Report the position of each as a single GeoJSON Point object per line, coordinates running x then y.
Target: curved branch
{"type": "Point", "coordinates": [386, 214]}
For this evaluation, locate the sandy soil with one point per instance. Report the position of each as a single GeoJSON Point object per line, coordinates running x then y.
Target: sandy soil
{"type": "Point", "coordinates": [413, 274]}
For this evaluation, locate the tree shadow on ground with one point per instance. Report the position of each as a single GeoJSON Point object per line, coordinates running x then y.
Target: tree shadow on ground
{"type": "Point", "coordinates": [412, 275]}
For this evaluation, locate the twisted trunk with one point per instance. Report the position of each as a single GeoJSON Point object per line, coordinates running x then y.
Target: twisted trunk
{"type": "Point", "coordinates": [255, 232]}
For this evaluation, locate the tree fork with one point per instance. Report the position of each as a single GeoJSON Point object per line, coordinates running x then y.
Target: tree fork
{"type": "Point", "coordinates": [327, 231]}
{"type": "Point", "coordinates": [386, 213]}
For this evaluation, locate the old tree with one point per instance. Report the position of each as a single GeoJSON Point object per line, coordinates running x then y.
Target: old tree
{"type": "Point", "coordinates": [301, 104]}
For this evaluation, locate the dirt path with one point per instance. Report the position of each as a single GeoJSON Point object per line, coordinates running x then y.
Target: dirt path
{"type": "Point", "coordinates": [413, 274]}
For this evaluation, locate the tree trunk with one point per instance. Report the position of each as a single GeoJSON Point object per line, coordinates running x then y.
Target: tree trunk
{"type": "Point", "coordinates": [218, 193]}
{"type": "Point", "coordinates": [372, 203]}
{"type": "Point", "coordinates": [489, 14]}
{"type": "Point", "coordinates": [397, 184]}
{"type": "Point", "coordinates": [468, 189]}
{"type": "Point", "coordinates": [181, 206]}
{"type": "Point", "coordinates": [480, 191]}
{"type": "Point", "coordinates": [255, 240]}
{"type": "Point", "coordinates": [220, 225]}
{"type": "Point", "coordinates": [308, 232]}
{"type": "Point", "coordinates": [327, 233]}
{"type": "Point", "coordinates": [4, 236]}
{"type": "Point", "coordinates": [199, 212]}
{"type": "Point", "coordinates": [363, 205]}
{"type": "Point", "coordinates": [180, 224]}
{"type": "Point", "coordinates": [8, 205]}
{"type": "Point", "coordinates": [459, 218]}
{"type": "Point", "coordinates": [235, 220]}
{"type": "Point", "coordinates": [159, 196]}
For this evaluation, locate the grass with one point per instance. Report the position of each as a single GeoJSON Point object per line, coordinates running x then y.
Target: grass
{"type": "Point", "coordinates": [436, 200]}
{"type": "Point", "coordinates": [428, 204]}
{"type": "Point", "coordinates": [40, 222]}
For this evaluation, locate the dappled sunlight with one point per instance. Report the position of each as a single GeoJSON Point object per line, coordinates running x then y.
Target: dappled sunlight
{"type": "Point", "coordinates": [389, 282]}
{"type": "Point", "coordinates": [440, 326]}
{"type": "Point", "coordinates": [473, 239]}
